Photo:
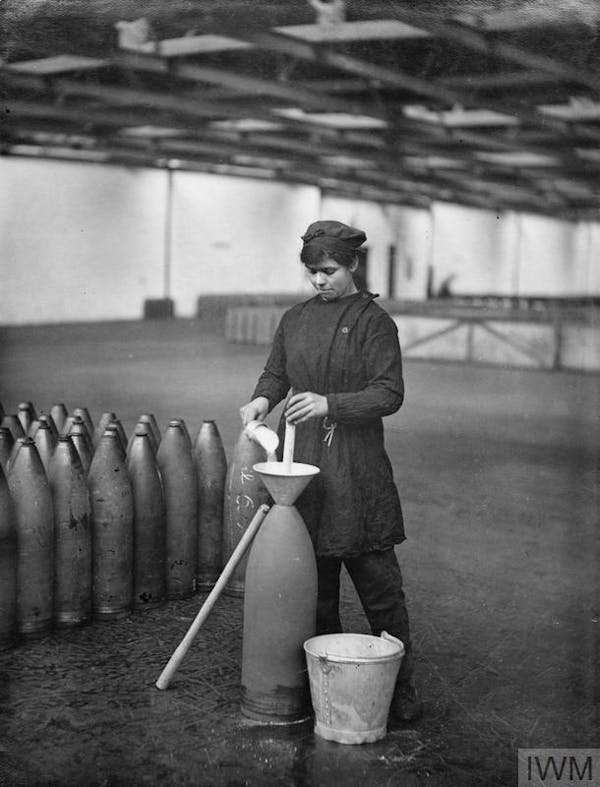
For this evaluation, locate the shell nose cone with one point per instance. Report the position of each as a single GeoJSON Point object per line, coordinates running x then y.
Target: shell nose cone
{"type": "Point", "coordinates": [285, 487]}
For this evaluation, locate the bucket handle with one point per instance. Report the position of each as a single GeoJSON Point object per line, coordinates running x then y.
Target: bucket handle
{"type": "Point", "coordinates": [394, 640]}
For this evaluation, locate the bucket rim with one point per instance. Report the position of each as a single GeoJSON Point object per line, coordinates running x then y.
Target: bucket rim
{"type": "Point", "coordinates": [344, 659]}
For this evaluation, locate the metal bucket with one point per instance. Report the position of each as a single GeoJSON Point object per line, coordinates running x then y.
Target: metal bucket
{"type": "Point", "coordinates": [352, 679]}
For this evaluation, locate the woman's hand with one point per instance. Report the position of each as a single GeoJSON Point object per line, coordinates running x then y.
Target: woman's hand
{"type": "Point", "coordinates": [303, 406]}
{"type": "Point", "coordinates": [256, 410]}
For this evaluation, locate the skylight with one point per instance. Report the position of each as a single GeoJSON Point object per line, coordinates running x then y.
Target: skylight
{"type": "Point", "coordinates": [332, 119]}
{"type": "Point", "coordinates": [354, 31]}
{"type": "Point", "coordinates": [459, 116]}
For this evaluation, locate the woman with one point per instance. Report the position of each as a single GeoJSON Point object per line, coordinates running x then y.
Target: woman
{"type": "Point", "coordinates": [339, 353]}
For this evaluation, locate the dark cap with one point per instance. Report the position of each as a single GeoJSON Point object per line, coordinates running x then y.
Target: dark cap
{"type": "Point", "coordinates": [333, 236]}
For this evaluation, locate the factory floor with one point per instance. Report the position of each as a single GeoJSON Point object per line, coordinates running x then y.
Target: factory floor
{"type": "Point", "coordinates": [498, 473]}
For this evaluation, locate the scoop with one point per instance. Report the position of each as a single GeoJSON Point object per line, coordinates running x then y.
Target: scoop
{"type": "Point", "coordinates": [264, 436]}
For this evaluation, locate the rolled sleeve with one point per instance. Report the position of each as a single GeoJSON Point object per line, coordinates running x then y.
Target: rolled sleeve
{"type": "Point", "coordinates": [273, 383]}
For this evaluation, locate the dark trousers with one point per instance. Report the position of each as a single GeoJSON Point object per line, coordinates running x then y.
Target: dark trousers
{"type": "Point", "coordinates": [378, 582]}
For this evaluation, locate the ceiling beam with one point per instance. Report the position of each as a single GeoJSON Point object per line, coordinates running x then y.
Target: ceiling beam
{"type": "Point", "coordinates": [406, 131]}
{"type": "Point", "coordinates": [82, 115]}
{"type": "Point", "coordinates": [327, 56]}
{"type": "Point", "coordinates": [202, 108]}
{"type": "Point", "coordinates": [497, 81]}
{"type": "Point", "coordinates": [122, 96]}
{"type": "Point", "coordinates": [337, 85]}
{"type": "Point", "coordinates": [239, 83]}
{"type": "Point", "coordinates": [398, 79]}
{"type": "Point", "coordinates": [359, 145]}
{"type": "Point", "coordinates": [313, 156]}
{"type": "Point", "coordinates": [313, 97]}
{"type": "Point", "coordinates": [185, 111]}
{"type": "Point", "coordinates": [413, 145]}
{"type": "Point", "coordinates": [57, 64]}
{"type": "Point", "coordinates": [473, 39]}
{"type": "Point", "coordinates": [155, 100]}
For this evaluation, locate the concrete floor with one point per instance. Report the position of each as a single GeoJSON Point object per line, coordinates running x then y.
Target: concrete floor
{"type": "Point", "coordinates": [498, 473]}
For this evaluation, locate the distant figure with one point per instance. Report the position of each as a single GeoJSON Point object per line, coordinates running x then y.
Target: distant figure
{"type": "Point", "coordinates": [445, 290]}
{"type": "Point", "coordinates": [429, 290]}
{"type": "Point", "coordinates": [329, 12]}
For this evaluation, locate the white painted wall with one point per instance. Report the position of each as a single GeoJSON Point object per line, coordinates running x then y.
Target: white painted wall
{"type": "Point", "coordinates": [78, 242]}
{"type": "Point", "coordinates": [549, 264]}
{"type": "Point", "coordinates": [592, 255]}
{"type": "Point", "coordinates": [86, 242]}
{"type": "Point", "coordinates": [237, 235]}
{"type": "Point", "coordinates": [478, 247]}
{"type": "Point", "coordinates": [514, 254]}
{"type": "Point", "coordinates": [414, 248]}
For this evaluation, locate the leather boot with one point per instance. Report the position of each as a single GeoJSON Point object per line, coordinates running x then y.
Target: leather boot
{"type": "Point", "coordinates": [406, 704]}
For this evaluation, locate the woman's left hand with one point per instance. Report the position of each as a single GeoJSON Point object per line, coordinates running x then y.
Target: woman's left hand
{"type": "Point", "coordinates": [303, 406]}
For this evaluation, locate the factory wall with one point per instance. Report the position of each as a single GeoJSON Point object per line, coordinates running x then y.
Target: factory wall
{"type": "Point", "coordinates": [513, 253]}
{"type": "Point", "coordinates": [547, 258]}
{"type": "Point", "coordinates": [88, 242]}
{"type": "Point", "coordinates": [78, 242]}
{"type": "Point", "coordinates": [591, 247]}
{"type": "Point", "coordinates": [478, 248]}
{"type": "Point", "coordinates": [234, 235]}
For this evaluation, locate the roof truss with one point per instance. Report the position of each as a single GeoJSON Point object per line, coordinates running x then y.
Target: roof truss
{"type": "Point", "coordinates": [402, 105]}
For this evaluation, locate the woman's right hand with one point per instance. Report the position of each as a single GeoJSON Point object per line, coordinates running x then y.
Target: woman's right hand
{"type": "Point", "coordinates": [256, 410]}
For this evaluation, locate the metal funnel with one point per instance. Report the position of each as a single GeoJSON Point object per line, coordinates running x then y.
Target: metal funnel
{"type": "Point", "coordinates": [283, 486]}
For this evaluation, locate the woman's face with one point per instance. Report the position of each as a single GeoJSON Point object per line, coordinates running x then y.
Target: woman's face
{"type": "Point", "coordinates": [332, 280]}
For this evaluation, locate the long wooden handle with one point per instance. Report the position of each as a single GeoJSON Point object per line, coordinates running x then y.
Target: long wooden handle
{"type": "Point", "coordinates": [172, 665]}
